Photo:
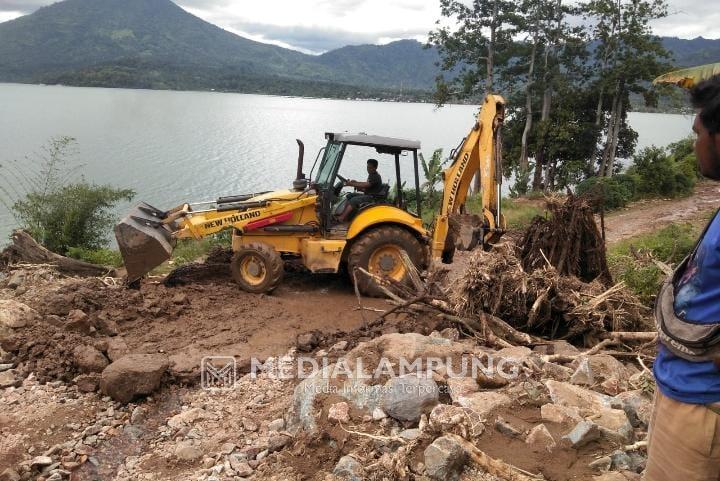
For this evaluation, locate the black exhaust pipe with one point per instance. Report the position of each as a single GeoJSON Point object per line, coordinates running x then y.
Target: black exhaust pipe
{"type": "Point", "coordinates": [300, 182]}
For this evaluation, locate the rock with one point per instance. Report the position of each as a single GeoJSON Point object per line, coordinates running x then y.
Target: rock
{"type": "Point", "coordinates": [516, 354]}
{"type": "Point", "coordinates": [16, 315]}
{"type": "Point", "coordinates": [410, 434]}
{"type": "Point", "coordinates": [565, 394]}
{"type": "Point", "coordinates": [16, 279]}
{"type": "Point", "coordinates": [615, 425]}
{"type": "Point", "coordinates": [339, 412]}
{"type": "Point", "coordinates": [187, 451]}
{"type": "Point", "coordinates": [117, 348]}
{"type": "Point", "coordinates": [582, 434]}
{"type": "Point", "coordinates": [557, 372]}
{"type": "Point", "coordinates": [506, 428]}
{"type": "Point", "coordinates": [583, 375]}
{"type": "Point", "coordinates": [560, 348]}
{"type": "Point", "coordinates": [7, 379]}
{"type": "Point", "coordinates": [406, 398]}
{"type": "Point", "coordinates": [349, 468]}
{"type": "Point", "coordinates": [378, 414]}
{"type": "Point", "coordinates": [278, 441]}
{"type": "Point", "coordinates": [107, 326]}
{"type": "Point", "coordinates": [461, 386]}
{"type": "Point", "coordinates": [5, 367]}
{"type": "Point", "coordinates": [138, 415]}
{"type": "Point", "coordinates": [240, 466]}
{"type": "Point", "coordinates": [602, 464]}
{"type": "Point", "coordinates": [605, 367]}
{"type": "Point", "coordinates": [339, 346]}
{"type": "Point", "coordinates": [444, 459]}
{"type": "Point", "coordinates": [276, 425]}
{"type": "Point", "coordinates": [188, 417]}
{"type": "Point", "coordinates": [622, 461]}
{"type": "Point", "coordinates": [308, 341]}
{"type": "Point", "coordinates": [540, 438]}
{"type": "Point", "coordinates": [78, 321]}
{"type": "Point", "coordinates": [87, 382]}
{"type": "Point", "coordinates": [638, 407]}
{"type": "Point", "coordinates": [41, 462]}
{"type": "Point", "coordinates": [484, 403]}
{"type": "Point", "coordinates": [249, 425]}
{"type": "Point", "coordinates": [9, 475]}
{"type": "Point", "coordinates": [88, 359]}
{"type": "Point", "coordinates": [133, 375]}
{"type": "Point", "coordinates": [556, 413]}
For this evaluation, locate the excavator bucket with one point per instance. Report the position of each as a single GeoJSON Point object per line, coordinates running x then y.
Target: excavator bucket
{"type": "Point", "coordinates": [144, 240]}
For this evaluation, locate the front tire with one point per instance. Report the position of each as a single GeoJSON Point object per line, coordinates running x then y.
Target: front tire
{"type": "Point", "coordinates": [379, 252]}
{"type": "Point", "coordinates": [257, 268]}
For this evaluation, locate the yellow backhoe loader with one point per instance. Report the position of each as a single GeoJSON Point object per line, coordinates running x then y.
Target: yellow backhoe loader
{"type": "Point", "coordinates": [301, 223]}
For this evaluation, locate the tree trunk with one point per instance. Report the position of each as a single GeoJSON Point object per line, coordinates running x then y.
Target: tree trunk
{"type": "Point", "coordinates": [523, 162]}
{"type": "Point", "coordinates": [24, 249]}
{"type": "Point", "coordinates": [613, 131]}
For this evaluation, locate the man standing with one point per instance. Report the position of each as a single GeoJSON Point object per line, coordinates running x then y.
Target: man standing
{"type": "Point", "coordinates": [684, 438]}
{"type": "Point", "coordinates": [369, 189]}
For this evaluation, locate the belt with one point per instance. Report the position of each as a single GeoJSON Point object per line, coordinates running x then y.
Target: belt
{"type": "Point", "coordinates": [714, 408]}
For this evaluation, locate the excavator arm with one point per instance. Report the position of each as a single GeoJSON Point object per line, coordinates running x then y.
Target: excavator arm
{"type": "Point", "coordinates": [479, 152]}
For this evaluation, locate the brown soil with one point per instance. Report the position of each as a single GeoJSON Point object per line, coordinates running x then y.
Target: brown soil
{"type": "Point", "coordinates": [649, 215]}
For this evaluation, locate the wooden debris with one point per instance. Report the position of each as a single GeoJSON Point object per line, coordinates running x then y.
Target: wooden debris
{"type": "Point", "coordinates": [24, 249]}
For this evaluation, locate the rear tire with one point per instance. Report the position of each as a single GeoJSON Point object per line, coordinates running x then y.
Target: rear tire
{"type": "Point", "coordinates": [257, 268]}
{"type": "Point", "coordinates": [378, 252]}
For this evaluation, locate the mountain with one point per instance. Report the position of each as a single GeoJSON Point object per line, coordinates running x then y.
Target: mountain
{"type": "Point", "coordinates": [697, 51]}
{"type": "Point", "coordinates": [405, 63]}
{"type": "Point", "coordinates": [81, 33]}
{"type": "Point", "coordinates": [156, 44]}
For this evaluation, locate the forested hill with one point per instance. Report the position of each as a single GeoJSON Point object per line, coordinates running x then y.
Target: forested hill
{"type": "Point", "coordinates": [156, 44]}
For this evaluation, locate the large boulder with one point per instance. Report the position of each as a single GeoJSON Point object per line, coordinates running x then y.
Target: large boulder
{"type": "Point", "coordinates": [133, 375]}
{"type": "Point", "coordinates": [406, 398]}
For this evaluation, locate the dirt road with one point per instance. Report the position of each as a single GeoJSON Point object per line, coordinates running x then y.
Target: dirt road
{"type": "Point", "coordinates": [648, 215]}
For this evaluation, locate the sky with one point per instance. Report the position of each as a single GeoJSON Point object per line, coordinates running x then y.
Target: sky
{"type": "Point", "coordinates": [315, 26]}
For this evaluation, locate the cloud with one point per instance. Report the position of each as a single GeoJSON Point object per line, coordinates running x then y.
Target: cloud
{"type": "Point", "coordinates": [320, 39]}
{"type": "Point", "coordinates": [689, 20]}
{"type": "Point", "coordinates": [23, 6]}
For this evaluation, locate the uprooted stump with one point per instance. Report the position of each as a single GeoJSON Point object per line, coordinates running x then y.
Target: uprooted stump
{"type": "Point", "coordinates": [543, 302]}
{"type": "Point", "coordinates": [569, 241]}
{"type": "Point", "coordinates": [24, 249]}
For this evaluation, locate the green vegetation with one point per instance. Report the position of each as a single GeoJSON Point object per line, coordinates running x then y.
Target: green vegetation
{"type": "Point", "coordinates": [190, 250]}
{"type": "Point", "coordinates": [655, 172]}
{"type": "Point", "coordinates": [102, 256]}
{"type": "Point", "coordinates": [60, 210]}
{"type": "Point", "coordinates": [632, 260]}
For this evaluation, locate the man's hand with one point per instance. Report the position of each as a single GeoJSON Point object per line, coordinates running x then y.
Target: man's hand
{"type": "Point", "coordinates": [349, 183]}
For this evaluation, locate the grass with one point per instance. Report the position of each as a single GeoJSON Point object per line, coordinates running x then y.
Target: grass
{"type": "Point", "coordinates": [631, 260]}
{"type": "Point", "coordinates": [518, 212]}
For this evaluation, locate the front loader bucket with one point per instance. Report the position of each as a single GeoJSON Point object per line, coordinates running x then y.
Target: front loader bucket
{"type": "Point", "coordinates": [144, 241]}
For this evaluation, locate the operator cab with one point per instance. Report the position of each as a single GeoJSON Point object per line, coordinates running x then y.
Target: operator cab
{"type": "Point", "coordinates": [344, 157]}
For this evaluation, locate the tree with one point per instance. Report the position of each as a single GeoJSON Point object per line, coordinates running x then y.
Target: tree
{"type": "Point", "coordinates": [433, 175]}
{"type": "Point", "coordinates": [474, 50]}
{"type": "Point", "coordinates": [60, 210]}
{"type": "Point", "coordinates": [628, 56]}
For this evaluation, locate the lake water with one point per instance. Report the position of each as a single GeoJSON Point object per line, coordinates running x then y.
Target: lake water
{"type": "Point", "coordinates": [173, 147]}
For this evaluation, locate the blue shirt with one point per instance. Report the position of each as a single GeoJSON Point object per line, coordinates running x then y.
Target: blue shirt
{"type": "Point", "coordinates": [697, 298]}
